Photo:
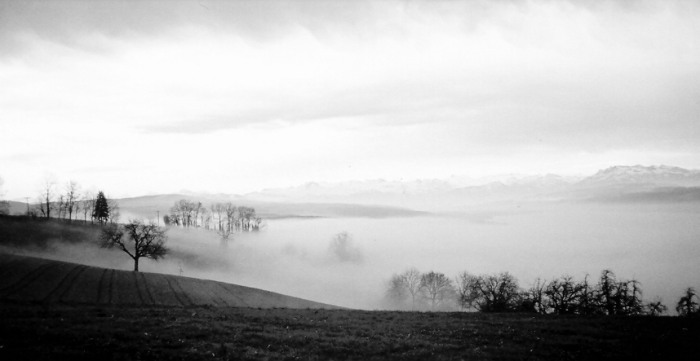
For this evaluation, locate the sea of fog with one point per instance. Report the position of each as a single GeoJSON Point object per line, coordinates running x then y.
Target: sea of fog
{"type": "Point", "coordinates": [659, 245]}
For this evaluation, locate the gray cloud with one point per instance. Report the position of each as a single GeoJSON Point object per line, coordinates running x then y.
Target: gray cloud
{"type": "Point", "coordinates": [69, 22]}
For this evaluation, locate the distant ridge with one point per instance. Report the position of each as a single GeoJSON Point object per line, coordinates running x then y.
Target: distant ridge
{"type": "Point", "coordinates": [660, 175]}
{"type": "Point", "coordinates": [37, 280]}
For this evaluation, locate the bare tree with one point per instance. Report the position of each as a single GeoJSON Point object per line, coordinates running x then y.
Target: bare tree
{"type": "Point", "coordinates": [46, 196]}
{"type": "Point", "coordinates": [71, 198]}
{"type": "Point", "coordinates": [114, 213]}
{"type": "Point", "coordinates": [656, 307]}
{"type": "Point", "coordinates": [628, 298]}
{"type": "Point", "coordinates": [61, 206]}
{"type": "Point", "coordinates": [88, 205]}
{"type": "Point", "coordinates": [344, 249]}
{"type": "Point", "coordinates": [498, 293]}
{"type": "Point", "coordinates": [411, 280]}
{"type": "Point", "coordinates": [226, 234]}
{"type": "Point", "coordinates": [136, 239]}
{"type": "Point", "coordinates": [687, 305]}
{"type": "Point", "coordinates": [467, 294]}
{"type": "Point", "coordinates": [436, 287]}
{"type": "Point", "coordinates": [204, 217]}
{"type": "Point", "coordinates": [185, 213]}
{"type": "Point", "coordinates": [564, 295]}
{"type": "Point", "coordinates": [246, 215]}
{"type": "Point", "coordinates": [396, 292]}
{"type": "Point", "coordinates": [606, 291]}
{"type": "Point", "coordinates": [405, 286]}
{"type": "Point", "coordinates": [231, 212]}
{"type": "Point", "coordinates": [218, 209]}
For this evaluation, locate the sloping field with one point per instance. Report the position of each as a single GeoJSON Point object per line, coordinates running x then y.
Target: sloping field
{"type": "Point", "coordinates": [29, 279]}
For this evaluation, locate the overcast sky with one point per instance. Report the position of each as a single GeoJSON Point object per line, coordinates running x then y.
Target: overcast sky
{"type": "Point", "coordinates": [154, 97]}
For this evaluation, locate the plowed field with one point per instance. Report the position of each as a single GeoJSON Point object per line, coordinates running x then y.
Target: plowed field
{"type": "Point", "coordinates": [28, 279]}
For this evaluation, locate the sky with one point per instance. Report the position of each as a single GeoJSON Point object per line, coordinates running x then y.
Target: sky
{"type": "Point", "coordinates": [140, 98]}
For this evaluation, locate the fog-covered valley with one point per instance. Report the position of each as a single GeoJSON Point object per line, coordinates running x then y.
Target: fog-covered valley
{"type": "Point", "coordinates": [529, 234]}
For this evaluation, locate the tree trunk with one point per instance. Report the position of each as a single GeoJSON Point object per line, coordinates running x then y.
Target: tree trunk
{"type": "Point", "coordinates": [136, 264]}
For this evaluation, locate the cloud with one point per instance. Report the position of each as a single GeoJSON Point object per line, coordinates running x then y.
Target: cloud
{"type": "Point", "coordinates": [364, 89]}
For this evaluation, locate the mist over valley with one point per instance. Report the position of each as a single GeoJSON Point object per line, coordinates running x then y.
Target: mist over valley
{"type": "Point", "coordinates": [532, 227]}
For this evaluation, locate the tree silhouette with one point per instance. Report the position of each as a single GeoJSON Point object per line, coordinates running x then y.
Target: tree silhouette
{"type": "Point", "coordinates": [467, 293]}
{"type": "Point", "coordinates": [411, 282]}
{"type": "Point", "coordinates": [101, 210]}
{"type": "Point", "coordinates": [142, 240]}
{"type": "Point", "coordinates": [436, 287]}
{"type": "Point", "coordinates": [656, 308]}
{"type": "Point", "coordinates": [498, 293]}
{"type": "Point", "coordinates": [687, 305]}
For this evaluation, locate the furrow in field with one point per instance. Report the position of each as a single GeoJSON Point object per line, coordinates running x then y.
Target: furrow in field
{"type": "Point", "coordinates": [187, 301]}
{"type": "Point", "coordinates": [60, 288]}
{"type": "Point", "coordinates": [232, 298]}
{"type": "Point", "coordinates": [147, 289]}
{"type": "Point", "coordinates": [14, 272]}
{"type": "Point", "coordinates": [161, 291]}
{"type": "Point", "coordinates": [84, 288]}
{"type": "Point", "coordinates": [100, 287]}
{"type": "Point", "coordinates": [137, 289]}
{"type": "Point", "coordinates": [7, 265]}
{"type": "Point", "coordinates": [42, 286]}
{"type": "Point", "coordinates": [125, 291]}
{"type": "Point", "coordinates": [178, 296]}
{"type": "Point", "coordinates": [26, 280]}
{"type": "Point", "coordinates": [110, 287]}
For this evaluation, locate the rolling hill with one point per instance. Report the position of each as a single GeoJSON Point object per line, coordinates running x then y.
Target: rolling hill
{"type": "Point", "coordinates": [36, 280]}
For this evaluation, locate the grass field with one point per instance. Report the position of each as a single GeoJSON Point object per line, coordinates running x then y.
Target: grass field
{"type": "Point", "coordinates": [37, 332]}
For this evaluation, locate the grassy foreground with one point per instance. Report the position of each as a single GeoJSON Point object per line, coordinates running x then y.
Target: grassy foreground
{"type": "Point", "coordinates": [36, 332]}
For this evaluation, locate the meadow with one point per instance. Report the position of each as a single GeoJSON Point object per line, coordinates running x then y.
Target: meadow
{"type": "Point", "coordinates": [42, 332]}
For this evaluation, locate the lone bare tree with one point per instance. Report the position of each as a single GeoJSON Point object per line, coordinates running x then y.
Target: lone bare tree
{"type": "Point", "coordinates": [136, 239]}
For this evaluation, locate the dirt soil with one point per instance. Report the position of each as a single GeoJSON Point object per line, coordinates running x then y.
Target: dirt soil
{"type": "Point", "coordinates": [30, 279]}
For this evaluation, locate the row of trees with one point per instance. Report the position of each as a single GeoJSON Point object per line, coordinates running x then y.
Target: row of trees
{"type": "Point", "coordinates": [502, 293]}
{"type": "Point", "coordinates": [224, 218]}
{"type": "Point", "coordinates": [72, 204]}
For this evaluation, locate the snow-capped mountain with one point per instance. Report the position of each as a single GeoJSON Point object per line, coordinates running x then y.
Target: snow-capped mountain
{"type": "Point", "coordinates": [661, 175]}
{"type": "Point", "coordinates": [614, 183]}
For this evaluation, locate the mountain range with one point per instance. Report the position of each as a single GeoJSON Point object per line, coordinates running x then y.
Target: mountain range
{"type": "Point", "coordinates": [382, 198]}
{"type": "Point", "coordinates": [615, 184]}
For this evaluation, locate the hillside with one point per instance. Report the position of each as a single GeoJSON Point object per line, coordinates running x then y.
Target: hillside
{"type": "Point", "coordinates": [28, 279]}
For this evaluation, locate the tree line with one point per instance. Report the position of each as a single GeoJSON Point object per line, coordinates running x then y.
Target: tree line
{"type": "Point", "coordinates": [501, 292]}
{"type": "Point", "coordinates": [70, 203]}
{"type": "Point", "coordinates": [218, 216]}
